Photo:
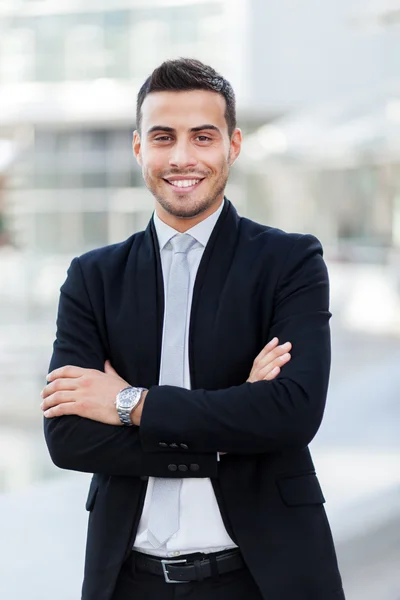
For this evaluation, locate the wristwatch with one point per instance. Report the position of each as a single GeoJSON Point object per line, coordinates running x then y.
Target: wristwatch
{"type": "Point", "coordinates": [126, 401]}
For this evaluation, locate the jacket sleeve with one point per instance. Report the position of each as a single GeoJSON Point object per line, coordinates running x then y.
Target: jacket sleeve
{"type": "Point", "coordinates": [80, 444]}
{"type": "Point", "coordinates": [276, 416]}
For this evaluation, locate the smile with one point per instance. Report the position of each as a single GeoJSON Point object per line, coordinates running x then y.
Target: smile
{"type": "Point", "coordinates": [184, 185]}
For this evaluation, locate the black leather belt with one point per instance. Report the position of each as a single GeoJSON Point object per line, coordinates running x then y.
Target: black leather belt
{"type": "Point", "coordinates": [188, 569]}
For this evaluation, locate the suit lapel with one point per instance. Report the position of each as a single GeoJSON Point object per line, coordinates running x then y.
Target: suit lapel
{"type": "Point", "coordinates": [149, 291]}
{"type": "Point", "coordinates": [213, 271]}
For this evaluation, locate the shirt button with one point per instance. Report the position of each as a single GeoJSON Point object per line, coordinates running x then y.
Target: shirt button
{"type": "Point", "coordinates": [182, 468]}
{"type": "Point", "coordinates": [172, 467]}
{"type": "Point", "coordinates": [163, 445]}
{"type": "Point", "coordinates": [184, 446]}
{"type": "Point", "coordinates": [175, 553]}
{"type": "Point", "coordinates": [173, 445]}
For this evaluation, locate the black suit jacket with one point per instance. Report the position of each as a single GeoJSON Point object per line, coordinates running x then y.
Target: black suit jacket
{"type": "Point", "coordinates": [254, 282]}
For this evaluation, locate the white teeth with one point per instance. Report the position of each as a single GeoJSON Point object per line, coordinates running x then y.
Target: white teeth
{"type": "Point", "coordinates": [185, 182]}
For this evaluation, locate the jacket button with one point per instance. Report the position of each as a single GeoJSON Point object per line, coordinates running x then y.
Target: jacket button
{"type": "Point", "coordinates": [172, 467]}
{"type": "Point", "coordinates": [173, 445]}
{"type": "Point", "coordinates": [182, 468]}
{"type": "Point", "coordinates": [163, 444]}
{"type": "Point", "coordinates": [184, 446]}
{"type": "Point", "coordinates": [194, 467]}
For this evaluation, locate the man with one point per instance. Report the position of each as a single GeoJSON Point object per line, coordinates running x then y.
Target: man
{"type": "Point", "coordinates": [203, 484]}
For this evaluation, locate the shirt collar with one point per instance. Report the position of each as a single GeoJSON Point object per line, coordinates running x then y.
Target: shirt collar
{"type": "Point", "coordinates": [201, 232]}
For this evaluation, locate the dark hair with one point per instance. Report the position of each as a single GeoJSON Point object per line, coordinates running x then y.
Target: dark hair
{"type": "Point", "coordinates": [187, 74]}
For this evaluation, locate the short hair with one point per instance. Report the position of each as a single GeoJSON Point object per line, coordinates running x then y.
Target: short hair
{"type": "Point", "coordinates": [188, 74]}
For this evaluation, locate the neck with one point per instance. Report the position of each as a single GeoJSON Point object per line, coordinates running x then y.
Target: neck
{"type": "Point", "coordinates": [183, 224]}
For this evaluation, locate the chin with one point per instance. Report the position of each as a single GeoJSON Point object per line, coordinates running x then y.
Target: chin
{"type": "Point", "coordinates": [185, 207]}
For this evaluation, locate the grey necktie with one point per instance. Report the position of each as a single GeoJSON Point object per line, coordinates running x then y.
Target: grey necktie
{"type": "Point", "coordinates": [164, 505]}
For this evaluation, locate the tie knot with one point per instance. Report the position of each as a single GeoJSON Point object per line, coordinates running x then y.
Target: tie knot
{"type": "Point", "coordinates": [182, 243]}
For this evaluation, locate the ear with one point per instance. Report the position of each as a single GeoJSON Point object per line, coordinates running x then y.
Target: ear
{"type": "Point", "coordinates": [136, 145]}
{"type": "Point", "coordinates": [235, 146]}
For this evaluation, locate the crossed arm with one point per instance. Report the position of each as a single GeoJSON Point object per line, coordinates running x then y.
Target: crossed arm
{"type": "Point", "coordinates": [265, 414]}
{"type": "Point", "coordinates": [87, 397]}
{"type": "Point", "coordinates": [91, 393]}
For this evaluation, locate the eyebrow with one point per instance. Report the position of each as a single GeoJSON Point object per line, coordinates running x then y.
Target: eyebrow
{"type": "Point", "coordinates": [192, 130]}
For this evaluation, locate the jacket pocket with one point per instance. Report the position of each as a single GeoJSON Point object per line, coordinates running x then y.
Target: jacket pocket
{"type": "Point", "coordinates": [93, 489]}
{"type": "Point", "coordinates": [300, 490]}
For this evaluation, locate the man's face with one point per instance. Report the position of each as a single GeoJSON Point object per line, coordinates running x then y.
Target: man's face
{"type": "Point", "coordinates": [185, 153]}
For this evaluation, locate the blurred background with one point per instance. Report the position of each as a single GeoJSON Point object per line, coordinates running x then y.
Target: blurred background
{"type": "Point", "coordinates": [318, 93]}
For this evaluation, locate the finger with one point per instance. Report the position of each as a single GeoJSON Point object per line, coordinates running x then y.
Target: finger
{"type": "Point", "coordinates": [67, 371]}
{"type": "Point", "coordinates": [267, 348]}
{"type": "Point", "coordinates": [58, 385]}
{"type": "Point", "coordinates": [108, 368]}
{"type": "Point", "coordinates": [57, 398]}
{"type": "Point", "coordinates": [280, 361]}
{"type": "Point", "coordinates": [272, 355]}
{"type": "Point", "coordinates": [274, 373]}
{"type": "Point", "coordinates": [67, 408]}
{"type": "Point", "coordinates": [276, 351]}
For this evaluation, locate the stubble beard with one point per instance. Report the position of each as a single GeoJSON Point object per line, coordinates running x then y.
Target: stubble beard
{"type": "Point", "coordinates": [196, 207]}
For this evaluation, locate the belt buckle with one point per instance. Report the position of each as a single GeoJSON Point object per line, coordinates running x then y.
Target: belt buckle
{"type": "Point", "coordinates": [164, 564]}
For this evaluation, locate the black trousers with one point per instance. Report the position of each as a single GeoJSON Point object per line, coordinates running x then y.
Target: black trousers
{"type": "Point", "coordinates": [135, 585]}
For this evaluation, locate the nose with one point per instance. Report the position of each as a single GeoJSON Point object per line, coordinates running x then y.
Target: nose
{"type": "Point", "coordinates": [182, 155]}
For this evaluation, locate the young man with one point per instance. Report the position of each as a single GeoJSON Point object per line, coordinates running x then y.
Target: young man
{"type": "Point", "coordinates": [203, 483]}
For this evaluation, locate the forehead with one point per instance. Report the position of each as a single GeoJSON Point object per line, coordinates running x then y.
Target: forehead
{"type": "Point", "coordinates": [183, 110]}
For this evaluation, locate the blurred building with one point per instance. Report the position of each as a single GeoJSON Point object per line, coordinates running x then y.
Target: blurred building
{"type": "Point", "coordinates": [336, 170]}
{"type": "Point", "coordinates": [69, 75]}
{"type": "Point", "coordinates": [70, 71]}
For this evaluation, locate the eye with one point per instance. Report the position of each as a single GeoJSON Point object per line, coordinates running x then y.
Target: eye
{"type": "Point", "coordinates": [203, 138]}
{"type": "Point", "coordinates": [162, 138]}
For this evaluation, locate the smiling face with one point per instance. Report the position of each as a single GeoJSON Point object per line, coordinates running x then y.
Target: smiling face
{"type": "Point", "coordinates": [185, 152]}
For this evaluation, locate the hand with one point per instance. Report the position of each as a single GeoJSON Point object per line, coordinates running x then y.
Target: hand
{"type": "Point", "coordinates": [84, 392]}
{"type": "Point", "coordinates": [267, 365]}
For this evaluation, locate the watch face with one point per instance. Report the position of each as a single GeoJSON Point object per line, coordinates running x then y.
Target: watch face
{"type": "Point", "coordinates": [125, 399]}
{"type": "Point", "coordinates": [125, 402]}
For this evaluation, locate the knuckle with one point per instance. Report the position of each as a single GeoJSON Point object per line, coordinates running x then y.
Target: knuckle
{"type": "Point", "coordinates": [86, 381]}
{"type": "Point", "coordinates": [59, 397]}
{"type": "Point", "coordinates": [58, 410]}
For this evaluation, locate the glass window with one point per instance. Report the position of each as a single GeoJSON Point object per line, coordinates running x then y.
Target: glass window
{"type": "Point", "coordinates": [58, 232]}
{"type": "Point", "coordinates": [46, 179]}
{"type": "Point", "coordinates": [117, 42]}
{"type": "Point", "coordinates": [85, 52]}
{"type": "Point", "coordinates": [94, 179]}
{"type": "Point", "coordinates": [50, 33]}
{"type": "Point", "coordinates": [45, 142]}
{"type": "Point", "coordinates": [94, 140]}
{"type": "Point", "coordinates": [95, 229]}
{"type": "Point", "coordinates": [118, 179]}
{"type": "Point", "coordinates": [149, 46]}
{"type": "Point", "coordinates": [17, 55]}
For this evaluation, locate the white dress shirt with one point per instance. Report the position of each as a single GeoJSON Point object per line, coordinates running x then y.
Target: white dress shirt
{"type": "Point", "coordinates": [201, 527]}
